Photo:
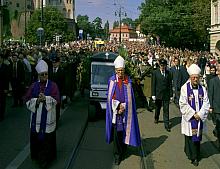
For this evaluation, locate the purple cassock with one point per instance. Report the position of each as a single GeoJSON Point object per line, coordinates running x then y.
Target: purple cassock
{"type": "Point", "coordinates": [131, 135]}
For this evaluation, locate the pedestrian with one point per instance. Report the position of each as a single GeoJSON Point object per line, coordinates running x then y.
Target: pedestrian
{"type": "Point", "coordinates": [162, 92]}
{"type": "Point", "coordinates": [175, 70]}
{"type": "Point", "coordinates": [58, 76]}
{"type": "Point", "coordinates": [17, 76]}
{"type": "Point", "coordinates": [211, 75]}
{"type": "Point", "coordinates": [4, 84]}
{"type": "Point", "coordinates": [214, 96]}
{"type": "Point", "coordinates": [41, 99]}
{"type": "Point", "coordinates": [121, 118]}
{"type": "Point", "coordinates": [194, 107]}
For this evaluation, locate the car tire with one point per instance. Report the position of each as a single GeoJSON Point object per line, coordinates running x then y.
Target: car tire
{"type": "Point", "coordinates": [91, 112]}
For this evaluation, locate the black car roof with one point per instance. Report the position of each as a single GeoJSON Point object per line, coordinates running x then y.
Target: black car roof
{"type": "Point", "coordinates": [104, 56]}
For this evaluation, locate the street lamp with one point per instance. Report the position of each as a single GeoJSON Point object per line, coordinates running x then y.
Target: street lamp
{"type": "Point", "coordinates": [120, 13]}
{"type": "Point", "coordinates": [42, 13]}
{"type": "Point", "coordinates": [1, 22]}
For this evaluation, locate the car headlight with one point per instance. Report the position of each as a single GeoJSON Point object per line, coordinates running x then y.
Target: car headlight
{"type": "Point", "coordinates": [95, 94]}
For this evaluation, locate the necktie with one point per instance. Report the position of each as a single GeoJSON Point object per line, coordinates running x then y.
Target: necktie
{"type": "Point", "coordinates": [14, 70]}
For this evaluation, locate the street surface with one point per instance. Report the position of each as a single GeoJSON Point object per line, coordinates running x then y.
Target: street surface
{"type": "Point", "coordinates": [81, 144]}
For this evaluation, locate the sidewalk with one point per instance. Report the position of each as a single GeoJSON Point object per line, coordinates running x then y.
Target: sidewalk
{"type": "Point", "coordinates": [165, 150]}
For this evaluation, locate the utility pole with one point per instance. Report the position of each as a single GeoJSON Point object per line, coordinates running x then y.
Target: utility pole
{"type": "Point", "coordinates": [1, 22]}
{"type": "Point", "coordinates": [25, 19]}
{"type": "Point", "coordinates": [119, 13]}
{"type": "Point", "coordinates": [42, 13]}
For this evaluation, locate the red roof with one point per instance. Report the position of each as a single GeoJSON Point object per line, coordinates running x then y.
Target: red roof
{"type": "Point", "coordinates": [124, 29]}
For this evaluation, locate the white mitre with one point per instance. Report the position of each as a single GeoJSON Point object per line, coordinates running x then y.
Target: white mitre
{"type": "Point", "coordinates": [41, 67]}
{"type": "Point", "coordinates": [119, 62]}
{"type": "Point", "coordinates": [193, 70]}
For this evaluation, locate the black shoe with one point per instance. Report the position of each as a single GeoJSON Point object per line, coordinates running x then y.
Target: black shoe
{"type": "Point", "coordinates": [14, 105]}
{"type": "Point", "coordinates": [117, 161]}
{"type": "Point", "coordinates": [156, 121]}
{"type": "Point", "coordinates": [168, 129]}
{"type": "Point", "coordinates": [195, 162]}
{"type": "Point", "coordinates": [214, 132]}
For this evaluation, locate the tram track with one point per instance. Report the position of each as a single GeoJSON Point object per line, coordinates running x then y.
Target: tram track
{"type": "Point", "coordinates": [75, 150]}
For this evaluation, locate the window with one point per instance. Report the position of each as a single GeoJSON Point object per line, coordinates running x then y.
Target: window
{"type": "Point", "coordinates": [68, 13]}
{"type": "Point", "coordinates": [216, 13]}
{"type": "Point", "coordinates": [17, 5]}
{"type": "Point", "coordinates": [64, 12]}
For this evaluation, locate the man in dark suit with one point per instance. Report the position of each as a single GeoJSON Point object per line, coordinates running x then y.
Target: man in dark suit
{"type": "Point", "coordinates": [214, 97]}
{"type": "Point", "coordinates": [58, 76]}
{"type": "Point", "coordinates": [4, 84]}
{"type": "Point", "coordinates": [162, 92]}
{"type": "Point", "coordinates": [17, 76]}
{"type": "Point", "coordinates": [183, 75]}
{"type": "Point", "coordinates": [175, 71]}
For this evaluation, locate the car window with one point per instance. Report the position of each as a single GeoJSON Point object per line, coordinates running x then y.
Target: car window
{"type": "Point", "coordinates": [101, 74]}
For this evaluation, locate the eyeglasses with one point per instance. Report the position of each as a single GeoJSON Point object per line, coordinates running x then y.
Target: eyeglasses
{"type": "Point", "coordinates": [119, 70]}
{"type": "Point", "coordinates": [195, 77]}
{"type": "Point", "coordinates": [43, 74]}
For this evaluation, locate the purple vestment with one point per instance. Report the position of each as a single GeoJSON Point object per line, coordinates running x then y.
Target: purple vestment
{"type": "Point", "coordinates": [192, 103]}
{"type": "Point", "coordinates": [131, 131]}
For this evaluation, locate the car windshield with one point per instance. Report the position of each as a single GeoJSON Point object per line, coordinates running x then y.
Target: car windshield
{"type": "Point", "coordinates": [101, 74]}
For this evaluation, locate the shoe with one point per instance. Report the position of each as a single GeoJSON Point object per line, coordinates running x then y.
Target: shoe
{"type": "Point", "coordinates": [117, 161]}
{"type": "Point", "coordinates": [14, 105]}
{"type": "Point", "coordinates": [168, 129]}
{"type": "Point", "coordinates": [195, 162]}
{"type": "Point", "coordinates": [156, 121]}
{"type": "Point", "coordinates": [214, 132]}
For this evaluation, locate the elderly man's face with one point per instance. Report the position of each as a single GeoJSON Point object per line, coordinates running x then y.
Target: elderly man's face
{"type": "Point", "coordinates": [43, 76]}
{"type": "Point", "coordinates": [194, 80]}
{"type": "Point", "coordinates": [120, 72]}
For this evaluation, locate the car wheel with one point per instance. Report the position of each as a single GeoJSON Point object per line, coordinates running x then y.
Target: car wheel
{"type": "Point", "coordinates": [91, 112]}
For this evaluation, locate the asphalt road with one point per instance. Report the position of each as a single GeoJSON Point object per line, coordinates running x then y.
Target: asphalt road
{"type": "Point", "coordinates": [81, 145]}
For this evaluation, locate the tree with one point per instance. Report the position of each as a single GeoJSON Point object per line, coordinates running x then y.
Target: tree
{"type": "Point", "coordinates": [129, 22]}
{"type": "Point", "coordinates": [54, 23]}
{"type": "Point", "coordinates": [97, 22]}
{"type": "Point", "coordinates": [115, 24]}
{"type": "Point", "coordinates": [179, 23]}
{"type": "Point", "coordinates": [106, 30]}
{"type": "Point", "coordinates": [84, 24]}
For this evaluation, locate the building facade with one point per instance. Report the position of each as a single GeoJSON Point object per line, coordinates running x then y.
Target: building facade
{"type": "Point", "coordinates": [126, 33]}
{"type": "Point", "coordinates": [20, 12]}
{"type": "Point", "coordinates": [215, 27]}
{"type": "Point", "coordinates": [67, 7]}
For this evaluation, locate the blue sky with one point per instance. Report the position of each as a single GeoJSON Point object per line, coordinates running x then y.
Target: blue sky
{"type": "Point", "coordinates": [106, 9]}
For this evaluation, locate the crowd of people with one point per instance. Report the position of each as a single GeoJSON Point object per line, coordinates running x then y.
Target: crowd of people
{"type": "Point", "coordinates": [46, 78]}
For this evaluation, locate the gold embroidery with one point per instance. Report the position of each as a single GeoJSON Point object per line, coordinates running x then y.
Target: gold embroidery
{"type": "Point", "coordinates": [191, 97]}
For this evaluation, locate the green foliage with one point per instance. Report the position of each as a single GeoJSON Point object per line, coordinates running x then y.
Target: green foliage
{"type": "Point", "coordinates": [115, 24]}
{"type": "Point", "coordinates": [15, 16]}
{"type": "Point", "coordinates": [179, 23]}
{"type": "Point", "coordinates": [53, 23]}
{"type": "Point", "coordinates": [6, 24]}
{"type": "Point", "coordinates": [99, 32]}
{"type": "Point", "coordinates": [106, 30]}
{"type": "Point", "coordinates": [129, 22]}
